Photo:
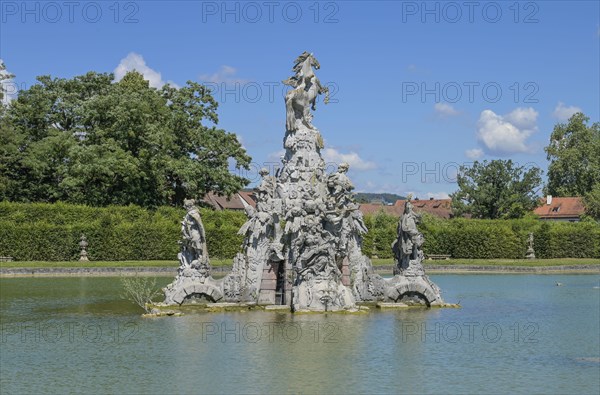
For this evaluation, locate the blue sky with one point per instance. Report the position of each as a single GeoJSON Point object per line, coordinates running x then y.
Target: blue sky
{"type": "Point", "coordinates": [418, 88]}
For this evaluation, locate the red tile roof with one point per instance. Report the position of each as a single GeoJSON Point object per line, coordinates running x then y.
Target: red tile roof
{"type": "Point", "coordinates": [236, 202]}
{"type": "Point", "coordinates": [560, 207]}
{"type": "Point", "coordinates": [248, 197]}
{"type": "Point", "coordinates": [374, 208]}
{"type": "Point", "coordinates": [441, 208]}
{"type": "Point", "coordinates": [438, 207]}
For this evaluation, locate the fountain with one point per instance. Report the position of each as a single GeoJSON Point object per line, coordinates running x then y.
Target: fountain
{"type": "Point", "coordinates": [314, 262]}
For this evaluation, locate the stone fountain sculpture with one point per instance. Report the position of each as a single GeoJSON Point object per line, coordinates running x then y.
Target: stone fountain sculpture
{"type": "Point", "coordinates": [314, 262]}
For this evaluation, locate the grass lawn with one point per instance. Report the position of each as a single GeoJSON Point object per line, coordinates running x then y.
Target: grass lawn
{"type": "Point", "coordinates": [502, 262]}
{"type": "Point", "coordinates": [377, 262]}
{"type": "Point", "coordinates": [43, 264]}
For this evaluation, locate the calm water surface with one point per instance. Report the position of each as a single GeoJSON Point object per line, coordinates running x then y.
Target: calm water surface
{"type": "Point", "coordinates": [514, 334]}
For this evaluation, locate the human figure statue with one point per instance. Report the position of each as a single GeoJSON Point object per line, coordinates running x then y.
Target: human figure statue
{"type": "Point", "coordinates": [339, 185]}
{"type": "Point", "coordinates": [408, 247]}
{"type": "Point", "coordinates": [193, 235]}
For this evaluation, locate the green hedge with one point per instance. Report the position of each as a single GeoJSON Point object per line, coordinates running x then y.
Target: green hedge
{"type": "Point", "coordinates": [489, 239]}
{"type": "Point", "coordinates": [473, 239]}
{"type": "Point", "coordinates": [51, 232]}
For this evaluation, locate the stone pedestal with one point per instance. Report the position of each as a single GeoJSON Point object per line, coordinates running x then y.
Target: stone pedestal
{"type": "Point", "coordinates": [417, 290]}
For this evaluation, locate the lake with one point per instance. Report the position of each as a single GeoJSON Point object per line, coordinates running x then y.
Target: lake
{"type": "Point", "coordinates": [513, 334]}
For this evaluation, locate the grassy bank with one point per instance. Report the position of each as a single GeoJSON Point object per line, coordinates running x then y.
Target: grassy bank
{"type": "Point", "coordinates": [502, 262]}
{"type": "Point", "coordinates": [71, 264]}
{"type": "Point", "coordinates": [376, 262]}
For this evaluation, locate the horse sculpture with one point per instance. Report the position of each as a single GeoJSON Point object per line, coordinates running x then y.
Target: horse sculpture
{"type": "Point", "coordinates": [307, 87]}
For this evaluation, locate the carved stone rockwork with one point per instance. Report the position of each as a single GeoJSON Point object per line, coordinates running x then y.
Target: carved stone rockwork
{"type": "Point", "coordinates": [314, 262]}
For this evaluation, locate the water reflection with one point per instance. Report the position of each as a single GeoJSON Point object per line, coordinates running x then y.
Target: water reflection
{"type": "Point", "coordinates": [515, 333]}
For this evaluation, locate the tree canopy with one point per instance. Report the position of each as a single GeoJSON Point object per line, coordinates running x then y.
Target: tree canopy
{"type": "Point", "coordinates": [574, 155]}
{"type": "Point", "coordinates": [591, 201]}
{"type": "Point", "coordinates": [496, 189]}
{"type": "Point", "coordinates": [95, 141]}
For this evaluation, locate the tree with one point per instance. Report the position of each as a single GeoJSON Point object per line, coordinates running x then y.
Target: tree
{"type": "Point", "coordinates": [591, 200]}
{"type": "Point", "coordinates": [574, 155]}
{"type": "Point", "coordinates": [496, 189]}
{"type": "Point", "coordinates": [94, 141]}
{"type": "Point", "coordinates": [140, 290]}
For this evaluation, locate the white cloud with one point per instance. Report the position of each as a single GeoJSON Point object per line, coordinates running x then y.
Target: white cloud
{"type": "Point", "coordinates": [474, 153]}
{"type": "Point", "coordinates": [522, 118]}
{"type": "Point", "coordinates": [507, 134]}
{"type": "Point", "coordinates": [331, 155]}
{"type": "Point", "coordinates": [563, 112]}
{"type": "Point", "coordinates": [445, 109]}
{"type": "Point", "coordinates": [134, 61]}
{"type": "Point", "coordinates": [226, 74]}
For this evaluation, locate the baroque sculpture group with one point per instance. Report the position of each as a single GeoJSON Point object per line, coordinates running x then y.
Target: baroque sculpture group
{"type": "Point", "coordinates": [302, 245]}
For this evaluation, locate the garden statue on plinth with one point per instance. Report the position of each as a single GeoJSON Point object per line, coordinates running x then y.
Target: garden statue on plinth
{"type": "Point", "coordinates": [83, 244]}
{"type": "Point", "coordinates": [530, 252]}
{"type": "Point", "coordinates": [193, 282]}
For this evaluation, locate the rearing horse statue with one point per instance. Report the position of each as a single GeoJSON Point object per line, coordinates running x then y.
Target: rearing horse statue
{"type": "Point", "coordinates": [307, 87]}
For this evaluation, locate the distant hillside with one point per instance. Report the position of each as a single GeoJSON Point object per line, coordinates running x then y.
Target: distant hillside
{"type": "Point", "coordinates": [363, 197]}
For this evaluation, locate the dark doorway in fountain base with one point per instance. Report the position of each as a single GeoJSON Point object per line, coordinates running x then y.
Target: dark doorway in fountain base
{"type": "Point", "coordinates": [280, 285]}
{"type": "Point", "coordinates": [198, 298]}
{"type": "Point", "coordinates": [413, 299]}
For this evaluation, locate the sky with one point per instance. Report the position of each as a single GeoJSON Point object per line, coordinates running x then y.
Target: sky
{"type": "Point", "coordinates": [417, 88]}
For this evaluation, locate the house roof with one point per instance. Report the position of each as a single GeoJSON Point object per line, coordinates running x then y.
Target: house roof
{"type": "Point", "coordinates": [441, 208]}
{"type": "Point", "coordinates": [248, 197]}
{"type": "Point", "coordinates": [438, 207]}
{"type": "Point", "coordinates": [238, 201]}
{"type": "Point", "coordinates": [561, 207]}
{"type": "Point", "coordinates": [374, 208]}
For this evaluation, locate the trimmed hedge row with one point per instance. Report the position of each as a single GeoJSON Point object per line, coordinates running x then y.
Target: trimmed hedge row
{"type": "Point", "coordinates": [51, 232]}
{"type": "Point", "coordinates": [487, 239]}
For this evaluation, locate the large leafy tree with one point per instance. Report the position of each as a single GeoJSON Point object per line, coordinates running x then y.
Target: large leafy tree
{"type": "Point", "coordinates": [574, 155]}
{"type": "Point", "coordinates": [496, 189]}
{"type": "Point", "coordinates": [591, 200]}
{"type": "Point", "coordinates": [95, 141]}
